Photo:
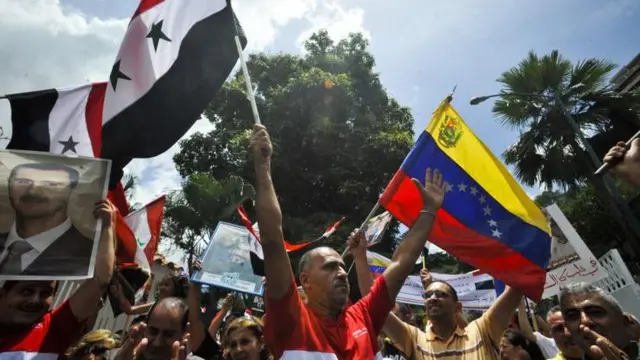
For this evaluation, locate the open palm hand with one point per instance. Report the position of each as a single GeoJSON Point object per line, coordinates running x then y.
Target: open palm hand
{"type": "Point", "coordinates": [432, 191]}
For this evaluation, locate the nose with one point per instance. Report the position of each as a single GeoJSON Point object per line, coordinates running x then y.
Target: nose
{"type": "Point", "coordinates": [342, 275]}
{"type": "Point", "coordinates": [585, 319]}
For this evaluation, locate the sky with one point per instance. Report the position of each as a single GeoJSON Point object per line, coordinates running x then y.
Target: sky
{"type": "Point", "coordinates": [422, 49]}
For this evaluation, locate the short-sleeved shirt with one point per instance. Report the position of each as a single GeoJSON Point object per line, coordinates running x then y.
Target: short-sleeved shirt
{"type": "Point", "coordinates": [46, 340]}
{"type": "Point", "coordinates": [294, 331]}
{"type": "Point", "coordinates": [478, 341]}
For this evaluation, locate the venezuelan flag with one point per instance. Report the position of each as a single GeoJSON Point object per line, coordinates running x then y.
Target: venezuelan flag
{"type": "Point", "coordinates": [486, 220]}
{"type": "Point", "coordinates": [377, 263]}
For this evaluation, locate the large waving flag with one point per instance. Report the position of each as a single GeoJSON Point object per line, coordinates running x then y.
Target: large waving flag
{"type": "Point", "coordinates": [486, 220]}
{"type": "Point", "coordinates": [174, 58]}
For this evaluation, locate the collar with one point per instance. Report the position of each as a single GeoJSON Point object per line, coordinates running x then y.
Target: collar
{"type": "Point", "coordinates": [329, 321]}
{"type": "Point", "coordinates": [41, 241]}
{"type": "Point", "coordinates": [431, 336]}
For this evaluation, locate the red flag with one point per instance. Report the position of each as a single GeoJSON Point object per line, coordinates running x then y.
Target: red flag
{"type": "Point", "coordinates": [139, 234]}
{"type": "Point", "coordinates": [252, 229]}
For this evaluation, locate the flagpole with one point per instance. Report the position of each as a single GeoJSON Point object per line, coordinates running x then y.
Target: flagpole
{"type": "Point", "coordinates": [364, 223]}
{"type": "Point", "coordinates": [247, 81]}
{"type": "Point", "coordinates": [446, 100]}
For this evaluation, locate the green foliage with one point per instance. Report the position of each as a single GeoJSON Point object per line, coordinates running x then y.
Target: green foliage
{"type": "Point", "coordinates": [192, 212]}
{"type": "Point", "coordinates": [586, 213]}
{"type": "Point", "coordinates": [129, 185]}
{"type": "Point", "coordinates": [338, 137]}
{"type": "Point", "coordinates": [548, 150]}
{"type": "Point", "coordinates": [447, 264]}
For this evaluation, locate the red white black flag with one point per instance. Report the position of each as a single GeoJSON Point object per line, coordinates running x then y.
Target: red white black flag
{"type": "Point", "coordinates": [174, 58]}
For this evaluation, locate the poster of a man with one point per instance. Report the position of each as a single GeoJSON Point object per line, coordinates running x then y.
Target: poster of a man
{"type": "Point", "coordinates": [226, 262]}
{"type": "Point", "coordinates": [47, 227]}
{"type": "Point", "coordinates": [562, 251]}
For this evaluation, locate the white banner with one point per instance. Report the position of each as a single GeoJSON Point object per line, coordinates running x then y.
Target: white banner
{"type": "Point", "coordinates": [464, 284]}
{"type": "Point", "coordinates": [571, 260]}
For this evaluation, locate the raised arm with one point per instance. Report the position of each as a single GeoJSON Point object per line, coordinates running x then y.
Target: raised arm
{"type": "Point", "coordinates": [357, 245]}
{"type": "Point", "coordinates": [404, 258]}
{"type": "Point", "coordinates": [277, 266]}
{"type": "Point", "coordinates": [523, 323]}
{"type": "Point", "coordinates": [215, 324]}
{"type": "Point", "coordinates": [84, 302]}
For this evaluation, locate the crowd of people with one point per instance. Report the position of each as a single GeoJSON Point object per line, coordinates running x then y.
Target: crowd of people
{"type": "Point", "coordinates": [320, 321]}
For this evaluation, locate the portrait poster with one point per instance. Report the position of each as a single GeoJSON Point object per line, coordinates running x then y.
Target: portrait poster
{"type": "Point", "coordinates": [226, 262]}
{"type": "Point", "coordinates": [375, 228]}
{"type": "Point", "coordinates": [47, 227]}
{"type": "Point", "coordinates": [571, 260]}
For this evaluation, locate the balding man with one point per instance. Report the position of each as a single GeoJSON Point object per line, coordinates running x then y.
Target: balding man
{"type": "Point", "coordinates": [165, 336]}
{"type": "Point", "coordinates": [325, 327]}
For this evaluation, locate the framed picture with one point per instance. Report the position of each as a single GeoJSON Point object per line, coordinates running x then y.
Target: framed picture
{"type": "Point", "coordinates": [226, 262]}
{"type": "Point", "coordinates": [47, 227]}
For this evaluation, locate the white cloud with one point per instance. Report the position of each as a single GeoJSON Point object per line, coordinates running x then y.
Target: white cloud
{"type": "Point", "coordinates": [45, 44]}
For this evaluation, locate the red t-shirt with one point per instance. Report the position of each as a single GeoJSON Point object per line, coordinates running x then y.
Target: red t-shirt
{"type": "Point", "coordinates": [294, 331]}
{"type": "Point", "coordinates": [46, 340]}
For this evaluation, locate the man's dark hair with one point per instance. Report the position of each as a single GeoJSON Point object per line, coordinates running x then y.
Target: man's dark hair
{"type": "Point", "coordinates": [452, 291]}
{"type": "Point", "coordinates": [73, 173]}
{"type": "Point", "coordinates": [173, 302]}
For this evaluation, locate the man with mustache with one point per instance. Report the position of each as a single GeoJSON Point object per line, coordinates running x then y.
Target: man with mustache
{"type": "Point", "coordinates": [327, 327]}
{"type": "Point", "coordinates": [29, 330]}
{"type": "Point", "coordinates": [43, 241]}
{"type": "Point", "coordinates": [596, 322]}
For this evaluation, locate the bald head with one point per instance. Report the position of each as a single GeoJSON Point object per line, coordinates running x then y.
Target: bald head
{"type": "Point", "coordinates": [172, 307]}
{"type": "Point", "coordinates": [305, 260]}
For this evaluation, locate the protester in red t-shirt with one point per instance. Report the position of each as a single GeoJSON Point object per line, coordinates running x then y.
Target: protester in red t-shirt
{"type": "Point", "coordinates": [28, 328]}
{"type": "Point", "coordinates": [325, 327]}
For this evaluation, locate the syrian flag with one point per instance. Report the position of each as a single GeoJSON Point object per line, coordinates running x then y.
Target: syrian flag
{"type": "Point", "coordinates": [139, 238]}
{"type": "Point", "coordinates": [144, 235]}
{"type": "Point", "coordinates": [255, 247]}
{"type": "Point", "coordinates": [174, 58]}
{"type": "Point", "coordinates": [62, 121]}
{"type": "Point", "coordinates": [59, 121]}
{"type": "Point", "coordinates": [66, 122]}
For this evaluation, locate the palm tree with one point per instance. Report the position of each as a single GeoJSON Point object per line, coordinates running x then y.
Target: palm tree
{"type": "Point", "coordinates": [193, 212]}
{"type": "Point", "coordinates": [130, 183]}
{"type": "Point", "coordinates": [548, 150]}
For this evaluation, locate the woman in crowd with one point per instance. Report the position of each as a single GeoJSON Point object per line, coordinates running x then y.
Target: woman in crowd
{"type": "Point", "coordinates": [93, 346]}
{"type": "Point", "coordinates": [243, 339]}
{"type": "Point", "coordinates": [513, 343]}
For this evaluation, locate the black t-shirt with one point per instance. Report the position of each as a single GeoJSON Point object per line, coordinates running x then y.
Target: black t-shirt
{"type": "Point", "coordinates": [209, 349]}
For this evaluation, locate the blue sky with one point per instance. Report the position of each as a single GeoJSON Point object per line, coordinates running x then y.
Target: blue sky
{"type": "Point", "coordinates": [422, 48]}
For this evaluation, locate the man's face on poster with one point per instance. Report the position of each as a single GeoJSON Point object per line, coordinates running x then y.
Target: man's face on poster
{"type": "Point", "coordinates": [39, 193]}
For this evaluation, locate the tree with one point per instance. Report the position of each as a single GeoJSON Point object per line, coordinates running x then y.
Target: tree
{"type": "Point", "coordinates": [447, 264]}
{"type": "Point", "coordinates": [192, 213]}
{"type": "Point", "coordinates": [548, 150]}
{"type": "Point", "coordinates": [338, 137]}
{"type": "Point", "coordinates": [588, 216]}
{"type": "Point", "coordinates": [130, 183]}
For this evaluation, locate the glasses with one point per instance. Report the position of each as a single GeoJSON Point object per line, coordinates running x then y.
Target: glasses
{"type": "Point", "coordinates": [439, 294]}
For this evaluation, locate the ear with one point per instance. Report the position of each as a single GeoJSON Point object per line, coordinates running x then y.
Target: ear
{"type": "Point", "coordinates": [304, 279]}
{"type": "Point", "coordinates": [459, 307]}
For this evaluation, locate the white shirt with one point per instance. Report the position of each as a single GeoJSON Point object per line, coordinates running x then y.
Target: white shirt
{"type": "Point", "coordinates": [547, 345]}
{"type": "Point", "coordinates": [39, 242]}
